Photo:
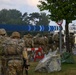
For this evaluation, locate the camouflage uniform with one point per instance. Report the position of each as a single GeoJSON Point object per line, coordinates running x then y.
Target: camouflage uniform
{"type": "Point", "coordinates": [41, 42]}
{"type": "Point", "coordinates": [50, 42]}
{"type": "Point", "coordinates": [28, 41]}
{"type": "Point", "coordinates": [3, 37]}
{"type": "Point", "coordinates": [44, 43]}
{"type": "Point", "coordinates": [12, 50]}
{"type": "Point", "coordinates": [56, 41]}
{"type": "Point", "coordinates": [71, 40]}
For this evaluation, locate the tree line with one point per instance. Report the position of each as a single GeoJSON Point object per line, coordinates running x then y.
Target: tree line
{"type": "Point", "coordinates": [14, 16]}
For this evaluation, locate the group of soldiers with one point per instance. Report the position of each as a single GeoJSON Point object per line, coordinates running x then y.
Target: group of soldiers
{"type": "Point", "coordinates": [12, 52]}
{"type": "Point", "coordinates": [11, 48]}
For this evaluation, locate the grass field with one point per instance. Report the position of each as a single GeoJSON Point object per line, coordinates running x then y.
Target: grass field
{"type": "Point", "coordinates": [67, 69]}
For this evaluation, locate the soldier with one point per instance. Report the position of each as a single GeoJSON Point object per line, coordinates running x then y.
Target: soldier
{"type": "Point", "coordinates": [13, 53]}
{"type": "Point", "coordinates": [56, 40]}
{"type": "Point", "coordinates": [3, 36]}
{"type": "Point", "coordinates": [24, 52]}
{"type": "Point", "coordinates": [43, 43]}
{"type": "Point", "coordinates": [51, 41]}
{"type": "Point", "coordinates": [72, 40]}
{"type": "Point", "coordinates": [28, 41]}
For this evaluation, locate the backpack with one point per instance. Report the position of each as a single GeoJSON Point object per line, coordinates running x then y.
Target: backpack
{"type": "Point", "coordinates": [13, 47]}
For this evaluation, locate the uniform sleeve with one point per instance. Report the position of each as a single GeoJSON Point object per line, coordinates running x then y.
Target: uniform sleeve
{"type": "Point", "coordinates": [25, 55]}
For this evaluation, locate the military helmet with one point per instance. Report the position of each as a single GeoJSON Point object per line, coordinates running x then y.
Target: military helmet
{"type": "Point", "coordinates": [3, 32]}
{"type": "Point", "coordinates": [15, 34]}
{"type": "Point", "coordinates": [28, 36]}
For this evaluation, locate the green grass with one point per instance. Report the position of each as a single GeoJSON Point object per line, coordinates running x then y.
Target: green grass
{"type": "Point", "coordinates": [67, 69]}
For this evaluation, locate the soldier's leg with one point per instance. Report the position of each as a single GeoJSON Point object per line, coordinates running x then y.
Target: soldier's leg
{"type": "Point", "coordinates": [2, 66]}
{"type": "Point", "coordinates": [22, 69]}
{"type": "Point", "coordinates": [26, 72]}
{"type": "Point", "coordinates": [1, 69]}
{"type": "Point", "coordinates": [26, 68]}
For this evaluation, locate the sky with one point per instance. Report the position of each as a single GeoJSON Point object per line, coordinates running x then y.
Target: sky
{"type": "Point", "coordinates": [22, 5]}
{"type": "Point", "coordinates": [28, 6]}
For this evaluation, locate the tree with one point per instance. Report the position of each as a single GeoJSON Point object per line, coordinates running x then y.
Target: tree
{"type": "Point", "coordinates": [39, 18]}
{"type": "Point", "coordinates": [11, 16]}
{"type": "Point", "coordinates": [43, 19]}
{"type": "Point", "coordinates": [25, 19]}
{"type": "Point", "coordinates": [59, 10]}
{"type": "Point", "coordinates": [34, 18]}
{"type": "Point", "coordinates": [14, 16]}
{"type": "Point", "coordinates": [3, 16]}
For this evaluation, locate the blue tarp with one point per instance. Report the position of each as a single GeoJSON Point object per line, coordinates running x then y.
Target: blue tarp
{"type": "Point", "coordinates": [21, 28]}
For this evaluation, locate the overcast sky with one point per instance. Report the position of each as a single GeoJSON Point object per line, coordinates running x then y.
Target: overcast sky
{"type": "Point", "coordinates": [22, 5]}
{"type": "Point", "coordinates": [28, 6]}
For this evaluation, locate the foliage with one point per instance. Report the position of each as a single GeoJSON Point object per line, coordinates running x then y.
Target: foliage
{"type": "Point", "coordinates": [34, 17]}
{"type": "Point", "coordinates": [39, 18]}
{"type": "Point", "coordinates": [25, 19]}
{"type": "Point", "coordinates": [13, 16]}
{"type": "Point", "coordinates": [10, 16]}
{"type": "Point", "coordinates": [43, 20]}
{"type": "Point", "coordinates": [59, 10]}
